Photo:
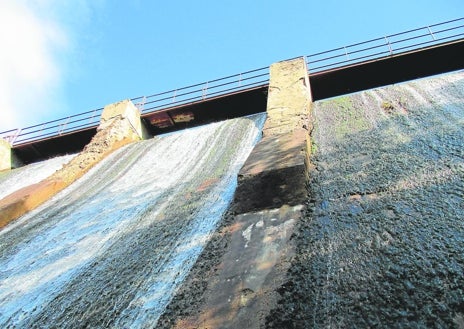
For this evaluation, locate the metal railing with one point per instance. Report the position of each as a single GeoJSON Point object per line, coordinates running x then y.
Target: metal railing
{"type": "Point", "coordinates": [146, 104]}
{"type": "Point", "coordinates": [203, 91]}
{"type": "Point", "coordinates": [386, 46]}
{"type": "Point", "coordinates": [58, 127]}
{"type": "Point", "coordinates": [317, 63]}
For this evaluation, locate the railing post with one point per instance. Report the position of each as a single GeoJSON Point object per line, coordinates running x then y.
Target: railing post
{"type": "Point", "coordinates": [430, 32]}
{"type": "Point", "coordinates": [93, 115]}
{"type": "Point", "coordinates": [140, 105]}
{"type": "Point", "coordinates": [62, 126]}
{"type": "Point", "coordinates": [204, 91]}
{"type": "Point", "coordinates": [174, 97]}
{"type": "Point", "coordinates": [389, 46]}
{"type": "Point", "coordinates": [5, 155]}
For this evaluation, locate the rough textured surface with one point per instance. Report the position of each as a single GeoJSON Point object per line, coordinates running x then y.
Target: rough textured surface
{"type": "Point", "coordinates": [381, 244]}
{"type": "Point", "coordinates": [124, 110]}
{"type": "Point", "coordinates": [274, 174]}
{"type": "Point", "coordinates": [289, 98]}
{"type": "Point", "coordinates": [248, 274]}
{"type": "Point", "coordinates": [276, 171]}
{"type": "Point", "coordinates": [115, 135]}
{"type": "Point", "coordinates": [220, 292]}
{"type": "Point", "coordinates": [5, 155]}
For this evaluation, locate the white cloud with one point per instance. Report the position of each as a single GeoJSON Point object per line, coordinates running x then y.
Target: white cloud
{"type": "Point", "coordinates": [39, 43]}
{"type": "Point", "coordinates": [29, 73]}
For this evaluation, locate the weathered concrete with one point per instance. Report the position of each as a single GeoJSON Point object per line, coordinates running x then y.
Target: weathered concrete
{"type": "Point", "coordinates": [125, 110]}
{"type": "Point", "coordinates": [274, 174]}
{"type": "Point", "coordinates": [8, 159]}
{"type": "Point", "coordinates": [289, 97]}
{"type": "Point", "coordinates": [250, 271]}
{"type": "Point", "coordinates": [118, 127]}
{"type": "Point", "coordinates": [381, 243]}
{"type": "Point", "coordinates": [241, 290]}
{"type": "Point", "coordinates": [5, 155]}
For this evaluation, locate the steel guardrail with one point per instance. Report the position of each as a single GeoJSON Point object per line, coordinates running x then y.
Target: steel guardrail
{"type": "Point", "coordinates": [386, 46]}
{"type": "Point", "coordinates": [203, 91]}
{"type": "Point", "coordinates": [318, 63]}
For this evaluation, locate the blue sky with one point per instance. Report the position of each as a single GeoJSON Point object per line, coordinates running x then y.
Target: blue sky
{"type": "Point", "coordinates": [65, 57]}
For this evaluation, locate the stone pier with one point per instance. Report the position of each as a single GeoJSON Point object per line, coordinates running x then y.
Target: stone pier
{"type": "Point", "coordinates": [275, 173]}
{"type": "Point", "coordinates": [5, 155]}
{"type": "Point", "coordinates": [268, 202]}
{"type": "Point", "coordinates": [120, 124]}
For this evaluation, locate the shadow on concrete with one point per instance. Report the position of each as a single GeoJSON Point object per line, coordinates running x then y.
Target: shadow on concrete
{"type": "Point", "coordinates": [274, 174]}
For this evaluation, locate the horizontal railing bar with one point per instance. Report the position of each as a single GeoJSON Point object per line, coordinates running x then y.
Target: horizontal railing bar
{"type": "Point", "coordinates": [202, 84]}
{"type": "Point", "coordinates": [213, 88]}
{"type": "Point", "coordinates": [65, 118]}
{"type": "Point", "coordinates": [394, 42]}
{"type": "Point", "coordinates": [197, 98]}
{"type": "Point", "coordinates": [382, 38]}
{"type": "Point", "coordinates": [369, 48]}
{"type": "Point", "coordinates": [200, 90]}
{"type": "Point", "coordinates": [352, 61]}
{"type": "Point", "coordinates": [82, 128]}
{"type": "Point", "coordinates": [167, 106]}
{"type": "Point", "coordinates": [357, 59]}
{"type": "Point", "coordinates": [55, 126]}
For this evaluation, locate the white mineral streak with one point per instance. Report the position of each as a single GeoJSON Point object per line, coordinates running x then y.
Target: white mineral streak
{"type": "Point", "coordinates": [16, 179]}
{"type": "Point", "coordinates": [180, 184]}
{"type": "Point", "coordinates": [247, 234]}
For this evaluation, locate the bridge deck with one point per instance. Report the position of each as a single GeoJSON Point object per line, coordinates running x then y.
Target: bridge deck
{"type": "Point", "coordinates": [395, 68]}
{"type": "Point", "coordinates": [388, 70]}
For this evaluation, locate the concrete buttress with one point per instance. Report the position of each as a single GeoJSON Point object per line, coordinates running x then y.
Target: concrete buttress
{"type": "Point", "coordinates": [275, 173]}
{"type": "Point", "coordinates": [5, 155]}
{"type": "Point", "coordinates": [120, 124]}
{"type": "Point", "coordinates": [268, 202]}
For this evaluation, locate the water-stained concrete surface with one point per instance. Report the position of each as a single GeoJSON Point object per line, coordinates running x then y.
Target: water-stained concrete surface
{"type": "Point", "coordinates": [243, 286]}
{"type": "Point", "coordinates": [382, 241]}
{"type": "Point", "coordinates": [110, 250]}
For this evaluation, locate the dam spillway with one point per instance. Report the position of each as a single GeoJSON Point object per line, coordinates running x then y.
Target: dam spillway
{"type": "Point", "coordinates": [111, 249]}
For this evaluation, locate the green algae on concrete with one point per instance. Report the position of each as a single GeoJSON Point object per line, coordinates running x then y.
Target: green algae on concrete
{"type": "Point", "coordinates": [349, 114]}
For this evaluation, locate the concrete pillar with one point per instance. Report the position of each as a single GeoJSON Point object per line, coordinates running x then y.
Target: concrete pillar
{"type": "Point", "coordinates": [5, 155]}
{"type": "Point", "coordinates": [124, 110]}
{"type": "Point", "coordinates": [276, 171]}
{"type": "Point", "coordinates": [119, 125]}
{"type": "Point", "coordinates": [289, 97]}
{"type": "Point", "coordinates": [268, 202]}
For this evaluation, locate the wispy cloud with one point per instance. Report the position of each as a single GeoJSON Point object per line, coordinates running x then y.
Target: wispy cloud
{"type": "Point", "coordinates": [38, 39]}
{"type": "Point", "coordinates": [29, 74]}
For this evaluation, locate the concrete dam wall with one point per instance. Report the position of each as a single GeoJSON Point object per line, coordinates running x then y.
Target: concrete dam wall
{"type": "Point", "coordinates": [340, 213]}
{"type": "Point", "coordinates": [381, 242]}
{"type": "Point", "coordinates": [378, 242]}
